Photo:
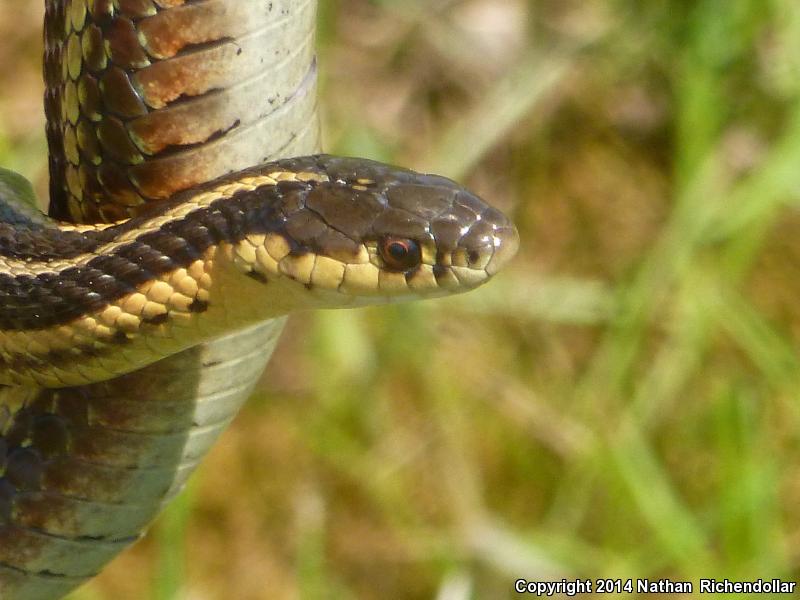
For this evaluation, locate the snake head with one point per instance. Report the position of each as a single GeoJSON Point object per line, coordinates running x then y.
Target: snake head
{"type": "Point", "coordinates": [354, 232]}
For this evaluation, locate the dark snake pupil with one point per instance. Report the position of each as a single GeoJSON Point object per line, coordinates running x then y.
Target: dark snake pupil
{"type": "Point", "coordinates": [398, 250]}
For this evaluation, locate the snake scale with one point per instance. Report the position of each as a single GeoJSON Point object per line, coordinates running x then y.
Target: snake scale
{"type": "Point", "coordinates": [189, 214]}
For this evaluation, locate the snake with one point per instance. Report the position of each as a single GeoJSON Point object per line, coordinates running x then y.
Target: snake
{"type": "Point", "coordinates": [190, 212]}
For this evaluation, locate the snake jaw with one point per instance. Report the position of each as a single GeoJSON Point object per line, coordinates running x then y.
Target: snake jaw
{"type": "Point", "coordinates": [365, 278]}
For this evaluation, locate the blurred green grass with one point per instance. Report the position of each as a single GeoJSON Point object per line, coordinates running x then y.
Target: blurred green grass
{"type": "Point", "coordinates": [622, 403]}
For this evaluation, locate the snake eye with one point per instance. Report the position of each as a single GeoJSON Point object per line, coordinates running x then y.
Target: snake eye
{"type": "Point", "coordinates": [400, 254]}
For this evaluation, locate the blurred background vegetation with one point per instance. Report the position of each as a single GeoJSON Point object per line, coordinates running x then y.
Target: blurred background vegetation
{"type": "Point", "coordinates": [623, 402]}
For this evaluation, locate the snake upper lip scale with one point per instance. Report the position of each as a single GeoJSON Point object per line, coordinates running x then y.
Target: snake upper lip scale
{"type": "Point", "coordinates": [130, 336]}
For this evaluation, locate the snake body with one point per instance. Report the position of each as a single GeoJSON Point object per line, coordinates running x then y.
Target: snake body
{"type": "Point", "coordinates": [136, 319]}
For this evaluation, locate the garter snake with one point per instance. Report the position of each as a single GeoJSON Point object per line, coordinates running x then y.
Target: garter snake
{"type": "Point", "coordinates": [117, 321]}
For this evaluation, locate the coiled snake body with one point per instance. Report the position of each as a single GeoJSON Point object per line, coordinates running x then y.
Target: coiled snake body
{"type": "Point", "coordinates": [132, 328]}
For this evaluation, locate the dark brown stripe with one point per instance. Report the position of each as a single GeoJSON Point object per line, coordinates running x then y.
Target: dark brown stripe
{"type": "Point", "coordinates": [23, 239]}
{"type": "Point", "coordinates": [49, 299]}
